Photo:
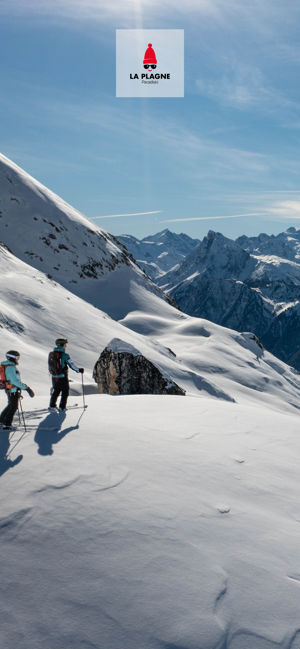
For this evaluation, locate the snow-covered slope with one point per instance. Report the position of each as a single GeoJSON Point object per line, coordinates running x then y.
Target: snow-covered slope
{"type": "Point", "coordinates": [152, 523]}
{"type": "Point", "coordinates": [44, 231]}
{"type": "Point", "coordinates": [35, 310]}
{"type": "Point", "coordinates": [210, 360]}
{"type": "Point", "coordinates": [147, 522]}
{"type": "Point", "coordinates": [157, 253]}
{"type": "Point", "coordinates": [224, 283]}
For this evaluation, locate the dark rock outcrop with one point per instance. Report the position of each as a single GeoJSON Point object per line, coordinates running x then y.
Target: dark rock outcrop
{"type": "Point", "coordinates": [122, 369]}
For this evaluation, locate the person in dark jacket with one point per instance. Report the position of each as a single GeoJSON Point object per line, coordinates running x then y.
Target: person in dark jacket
{"type": "Point", "coordinates": [13, 387]}
{"type": "Point", "coordinates": [60, 380]}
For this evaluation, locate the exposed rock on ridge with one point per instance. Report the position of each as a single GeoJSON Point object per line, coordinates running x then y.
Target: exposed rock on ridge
{"type": "Point", "coordinates": [122, 369]}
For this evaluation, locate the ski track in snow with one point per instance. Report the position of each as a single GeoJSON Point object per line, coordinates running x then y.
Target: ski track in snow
{"type": "Point", "coordinates": [113, 485]}
{"type": "Point", "coordinates": [52, 487]}
{"type": "Point", "coordinates": [220, 597]}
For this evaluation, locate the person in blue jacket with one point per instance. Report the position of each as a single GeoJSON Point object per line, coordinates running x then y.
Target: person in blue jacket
{"type": "Point", "coordinates": [59, 363]}
{"type": "Point", "coordinates": [13, 387]}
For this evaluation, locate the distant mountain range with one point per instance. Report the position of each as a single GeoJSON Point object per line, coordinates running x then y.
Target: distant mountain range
{"type": "Point", "coordinates": [285, 245]}
{"type": "Point", "coordinates": [160, 252]}
{"type": "Point", "coordinates": [251, 284]}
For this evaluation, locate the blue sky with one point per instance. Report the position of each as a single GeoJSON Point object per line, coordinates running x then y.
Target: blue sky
{"type": "Point", "coordinates": [229, 148]}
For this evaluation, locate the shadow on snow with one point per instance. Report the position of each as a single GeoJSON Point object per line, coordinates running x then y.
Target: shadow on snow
{"type": "Point", "coordinates": [5, 462]}
{"type": "Point", "coordinates": [49, 432]}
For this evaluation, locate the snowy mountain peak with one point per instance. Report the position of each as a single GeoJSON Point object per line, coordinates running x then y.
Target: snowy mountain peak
{"type": "Point", "coordinates": [217, 255]}
{"type": "Point", "coordinates": [217, 239]}
{"type": "Point", "coordinates": [162, 234]}
{"type": "Point", "coordinates": [54, 234]}
{"type": "Point", "coordinates": [64, 244]}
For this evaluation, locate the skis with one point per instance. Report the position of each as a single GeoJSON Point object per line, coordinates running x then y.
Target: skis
{"type": "Point", "coordinates": [75, 406]}
{"type": "Point", "coordinates": [47, 428]}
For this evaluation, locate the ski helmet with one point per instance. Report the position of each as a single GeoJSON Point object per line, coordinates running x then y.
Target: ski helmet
{"type": "Point", "coordinates": [60, 342]}
{"type": "Point", "coordinates": [12, 355]}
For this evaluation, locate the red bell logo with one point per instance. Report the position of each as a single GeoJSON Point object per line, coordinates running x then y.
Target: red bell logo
{"type": "Point", "coordinates": [150, 58]}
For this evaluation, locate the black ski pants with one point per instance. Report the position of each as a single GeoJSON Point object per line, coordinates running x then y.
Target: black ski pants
{"type": "Point", "coordinates": [60, 386]}
{"type": "Point", "coordinates": [8, 413]}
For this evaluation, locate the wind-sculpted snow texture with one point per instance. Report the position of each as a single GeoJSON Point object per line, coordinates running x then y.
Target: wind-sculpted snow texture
{"type": "Point", "coordinates": [44, 231]}
{"type": "Point", "coordinates": [152, 522]}
{"type": "Point", "coordinates": [255, 291]}
{"type": "Point", "coordinates": [158, 253]}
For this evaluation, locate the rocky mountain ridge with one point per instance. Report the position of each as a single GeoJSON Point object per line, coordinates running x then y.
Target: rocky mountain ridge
{"type": "Point", "coordinates": [285, 244]}
{"type": "Point", "coordinates": [244, 288]}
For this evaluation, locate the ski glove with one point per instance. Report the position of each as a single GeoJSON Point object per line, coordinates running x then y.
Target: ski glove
{"type": "Point", "coordinates": [30, 391]}
{"type": "Point", "coordinates": [81, 370]}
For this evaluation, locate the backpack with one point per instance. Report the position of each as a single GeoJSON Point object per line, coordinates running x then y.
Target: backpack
{"type": "Point", "coordinates": [54, 363]}
{"type": "Point", "coordinates": [2, 377]}
{"type": "Point", "coordinates": [4, 385]}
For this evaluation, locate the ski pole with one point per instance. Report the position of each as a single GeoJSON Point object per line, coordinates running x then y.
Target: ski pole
{"type": "Point", "coordinates": [83, 398]}
{"type": "Point", "coordinates": [19, 415]}
{"type": "Point", "coordinates": [22, 413]}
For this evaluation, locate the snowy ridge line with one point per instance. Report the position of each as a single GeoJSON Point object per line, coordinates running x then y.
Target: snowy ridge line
{"type": "Point", "coordinates": [61, 242]}
{"type": "Point", "coordinates": [43, 192]}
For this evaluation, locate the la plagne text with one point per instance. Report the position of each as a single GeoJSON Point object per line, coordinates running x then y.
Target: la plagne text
{"type": "Point", "coordinates": [146, 75]}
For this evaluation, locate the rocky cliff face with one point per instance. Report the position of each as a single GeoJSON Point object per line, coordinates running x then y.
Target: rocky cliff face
{"type": "Point", "coordinates": [121, 369]}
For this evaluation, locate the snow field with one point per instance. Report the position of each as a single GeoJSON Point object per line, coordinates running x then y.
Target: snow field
{"type": "Point", "coordinates": [160, 522]}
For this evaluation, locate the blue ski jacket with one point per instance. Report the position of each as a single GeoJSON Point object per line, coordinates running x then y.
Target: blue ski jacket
{"type": "Point", "coordinates": [12, 376]}
{"type": "Point", "coordinates": [65, 363]}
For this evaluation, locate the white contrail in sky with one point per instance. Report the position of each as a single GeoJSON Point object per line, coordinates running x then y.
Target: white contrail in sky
{"type": "Point", "coordinates": [211, 218]}
{"type": "Point", "coordinates": [114, 216]}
